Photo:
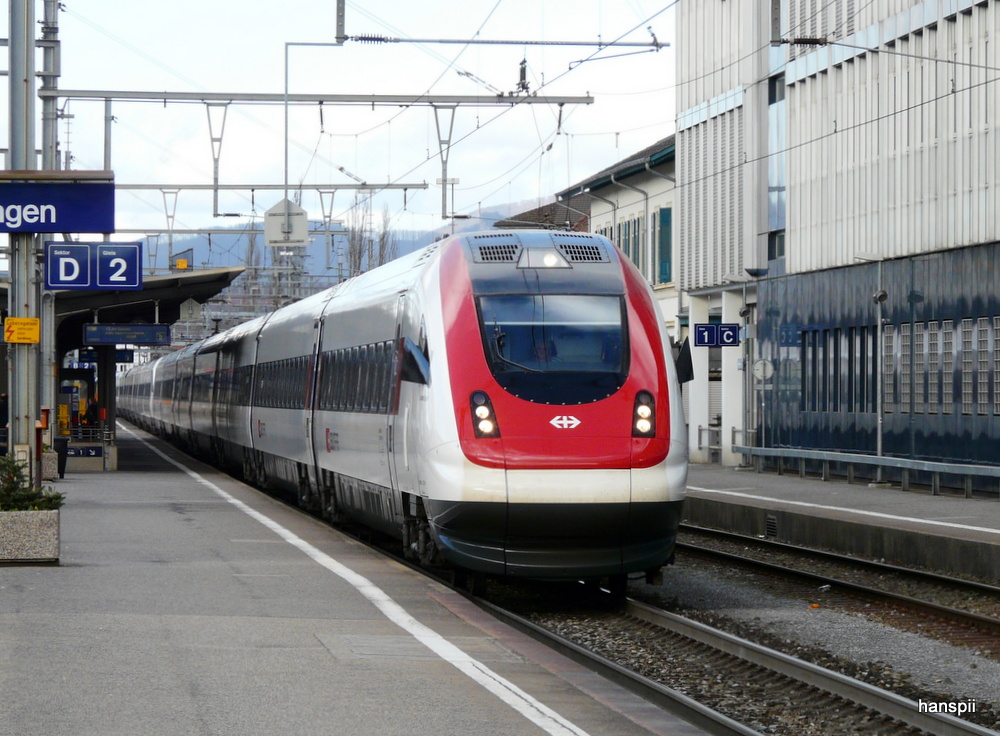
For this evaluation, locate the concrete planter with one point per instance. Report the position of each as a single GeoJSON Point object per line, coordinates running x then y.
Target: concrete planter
{"type": "Point", "coordinates": [50, 465]}
{"type": "Point", "coordinates": [29, 536]}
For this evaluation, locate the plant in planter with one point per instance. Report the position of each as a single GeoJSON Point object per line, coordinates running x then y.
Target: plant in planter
{"type": "Point", "coordinates": [29, 516]}
{"type": "Point", "coordinates": [17, 493]}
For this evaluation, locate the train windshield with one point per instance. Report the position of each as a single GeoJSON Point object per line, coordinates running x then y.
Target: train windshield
{"type": "Point", "coordinates": [556, 348]}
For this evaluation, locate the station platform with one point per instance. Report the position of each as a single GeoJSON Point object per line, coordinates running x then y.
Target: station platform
{"type": "Point", "coordinates": [946, 533]}
{"type": "Point", "coordinates": [186, 602]}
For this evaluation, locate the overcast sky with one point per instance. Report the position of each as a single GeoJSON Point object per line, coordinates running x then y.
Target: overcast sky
{"type": "Point", "coordinates": [500, 154]}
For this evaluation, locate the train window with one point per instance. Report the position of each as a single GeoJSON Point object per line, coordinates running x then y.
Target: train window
{"type": "Point", "coordinates": [556, 348]}
{"type": "Point", "coordinates": [354, 379]}
{"type": "Point", "coordinates": [339, 378]}
{"type": "Point", "coordinates": [334, 379]}
{"type": "Point", "coordinates": [351, 379]}
{"type": "Point", "coordinates": [286, 375]}
{"type": "Point", "coordinates": [386, 375]}
{"type": "Point", "coordinates": [323, 381]}
{"type": "Point", "coordinates": [303, 388]}
{"type": "Point", "coordinates": [296, 385]}
{"type": "Point", "coordinates": [380, 378]}
{"type": "Point", "coordinates": [331, 380]}
{"type": "Point", "coordinates": [263, 381]}
{"type": "Point", "coordinates": [365, 390]}
{"type": "Point", "coordinates": [365, 384]}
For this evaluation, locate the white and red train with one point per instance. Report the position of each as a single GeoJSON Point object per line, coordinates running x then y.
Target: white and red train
{"type": "Point", "coordinates": [503, 400]}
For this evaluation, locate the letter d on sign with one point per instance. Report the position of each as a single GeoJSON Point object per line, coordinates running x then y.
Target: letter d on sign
{"type": "Point", "coordinates": [69, 269]}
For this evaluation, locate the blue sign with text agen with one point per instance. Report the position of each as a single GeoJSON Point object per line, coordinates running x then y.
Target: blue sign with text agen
{"type": "Point", "coordinates": [59, 207]}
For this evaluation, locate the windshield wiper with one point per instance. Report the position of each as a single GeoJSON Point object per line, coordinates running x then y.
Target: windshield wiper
{"type": "Point", "coordinates": [499, 343]}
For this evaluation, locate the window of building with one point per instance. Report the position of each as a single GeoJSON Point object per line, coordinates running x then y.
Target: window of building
{"type": "Point", "coordinates": [933, 367]}
{"type": "Point", "coordinates": [967, 365]}
{"type": "Point", "coordinates": [776, 245]}
{"type": "Point", "coordinates": [983, 363]}
{"type": "Point", "coordinates": [947, 367]}
{"type": "Point", "coordinates": [919, 369]}
{"type": "Point", "coordinates": [664, 246]}
{"type": "Point", "coordinates": [905, 367]}
{"type": "Point", "coordinates": [775, 89]}
{"type": "Point", "coordinates": [888, 368]}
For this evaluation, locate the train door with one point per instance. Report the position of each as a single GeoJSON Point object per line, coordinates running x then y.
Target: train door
{"type": "Point", "coordinates": [314, 379]}
{"type": "Point", "coordinates": [403, 423]}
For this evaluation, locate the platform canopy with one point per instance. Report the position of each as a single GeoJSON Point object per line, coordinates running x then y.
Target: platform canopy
{"type": "Point", "coordinates": [75, 308]}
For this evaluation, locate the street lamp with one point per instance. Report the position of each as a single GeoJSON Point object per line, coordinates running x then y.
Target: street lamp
{"type": "Point", "coordinates": [878, 298]}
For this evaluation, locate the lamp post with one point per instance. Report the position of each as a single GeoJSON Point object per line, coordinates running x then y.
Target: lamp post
{"type": "Point", "coordinates": [878, 298]}
{"type": "Point", "coordinates": [757, 274]}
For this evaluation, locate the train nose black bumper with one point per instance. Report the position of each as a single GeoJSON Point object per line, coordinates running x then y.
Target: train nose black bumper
{"type": "Point", "coordinates": [556, 540]}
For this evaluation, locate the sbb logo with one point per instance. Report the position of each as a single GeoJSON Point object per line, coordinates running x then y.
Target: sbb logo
{"type": "Point", "coordinates": [564, 422]}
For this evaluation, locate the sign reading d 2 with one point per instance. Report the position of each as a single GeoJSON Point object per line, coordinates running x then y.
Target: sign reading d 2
{"type": "Point", "coordinates": [106, 266]}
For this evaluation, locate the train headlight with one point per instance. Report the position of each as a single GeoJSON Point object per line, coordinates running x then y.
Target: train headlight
{"type": "Point", "coordinates": [483, 419]}
{"type": "Point", "coordinates": [542, 258]}
{"type": "Point", "coordinates": [644, 415]}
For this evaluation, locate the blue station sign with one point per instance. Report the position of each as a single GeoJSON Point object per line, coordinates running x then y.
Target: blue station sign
{"type": "Point", "coordinates": [717, 335]}
{"type": "Point", "coordinates": [57, 207]}
{"type": "Point", "coordinates": [108, 266]}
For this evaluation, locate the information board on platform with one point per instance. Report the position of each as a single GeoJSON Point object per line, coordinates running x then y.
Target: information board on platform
{"type": "Point", "coordinates": [126, 334]}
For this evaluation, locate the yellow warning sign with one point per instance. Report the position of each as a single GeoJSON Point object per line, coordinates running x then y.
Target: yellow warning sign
{"type": "Point", "coordinates": [21, 329]}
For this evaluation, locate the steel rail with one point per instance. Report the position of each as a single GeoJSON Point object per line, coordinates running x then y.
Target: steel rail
{"type": "Point", "coordinates": [985, 624]}
{"type": "Point", "coordinates": [660, 695]}
{"type": "Point", "coordinates": [885, 702]}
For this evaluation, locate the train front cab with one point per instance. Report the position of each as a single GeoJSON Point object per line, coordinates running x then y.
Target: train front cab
{"type": "Point", "coordinates": [581, 439]}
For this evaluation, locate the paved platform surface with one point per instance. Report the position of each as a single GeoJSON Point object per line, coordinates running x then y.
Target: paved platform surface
{"type": "Point", "coordinates": [947, 532]}
{"type": "Point", "coordinates": [188, 603]}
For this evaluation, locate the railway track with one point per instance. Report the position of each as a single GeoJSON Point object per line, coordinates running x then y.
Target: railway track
{"type": "Point", "coordinates": [918, 608]}
{"type": "Point", "coordinates": [664, 658]}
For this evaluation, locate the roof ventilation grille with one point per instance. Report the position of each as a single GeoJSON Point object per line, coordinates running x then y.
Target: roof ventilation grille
{"type": "Point", "coordinates": [497, 252]}
{"type": "Point", "coordinates": [580, 249]}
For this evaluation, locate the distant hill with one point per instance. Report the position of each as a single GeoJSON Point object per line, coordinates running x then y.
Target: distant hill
{"type": "Point", "coordinates": [235, 249]}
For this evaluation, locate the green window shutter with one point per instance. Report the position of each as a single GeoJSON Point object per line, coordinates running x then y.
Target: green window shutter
{"type": "Point", "coordinates": [665, 246]}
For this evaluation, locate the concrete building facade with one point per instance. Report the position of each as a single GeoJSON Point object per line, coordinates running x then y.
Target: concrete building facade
{"type": "Point", "coordinates": [837, 188]}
